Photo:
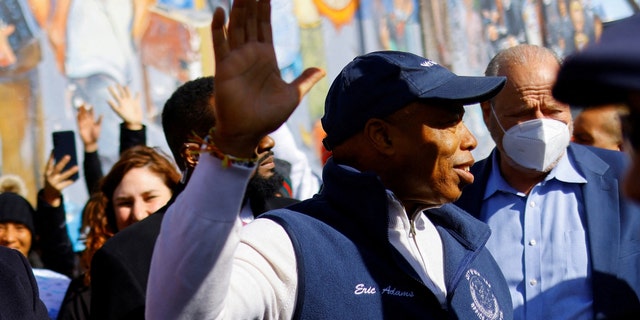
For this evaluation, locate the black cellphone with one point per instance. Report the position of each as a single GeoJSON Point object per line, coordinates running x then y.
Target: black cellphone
{"type": "Point", "coordinates": [64, 143]}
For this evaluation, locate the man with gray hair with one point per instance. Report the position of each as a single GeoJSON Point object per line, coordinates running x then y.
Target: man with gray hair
{"type": "Point", "coordinates": [563, 235]}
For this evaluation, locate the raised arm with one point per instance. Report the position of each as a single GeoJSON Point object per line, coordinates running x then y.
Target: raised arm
{"type": "Point", "coordinates": [128, 107]}
{"type": "Point", "coordinates": [50, 222]}
{"type": "Point", "coordinates": [89, 130]}
{"type": "Point", "coordinates": [201, 236]}
{"type": "Point", "coordinates": [252, 100]}
{"type": "Point", "coordinates": [56, 180]}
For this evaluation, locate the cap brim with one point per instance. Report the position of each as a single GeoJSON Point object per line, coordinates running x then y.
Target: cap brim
{"type": "Point", "coordinates": [603, 72]}
{"type": "Point", "coordinates": [596, 77]}
{"type": "Point", "coordinates": [467, 90]}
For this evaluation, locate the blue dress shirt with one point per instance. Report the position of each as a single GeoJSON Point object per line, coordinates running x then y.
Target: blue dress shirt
{"type": "Point", "coordinates": [541, 245]}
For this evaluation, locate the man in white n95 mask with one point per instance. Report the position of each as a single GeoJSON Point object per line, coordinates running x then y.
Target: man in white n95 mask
{"type": "Point", "coordinates": [562, 233]}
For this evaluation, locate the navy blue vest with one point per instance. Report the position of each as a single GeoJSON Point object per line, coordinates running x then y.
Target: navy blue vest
{"type": "Point", "coordinates": [347, 269]}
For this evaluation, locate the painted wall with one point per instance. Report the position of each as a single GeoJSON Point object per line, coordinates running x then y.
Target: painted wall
{"type": "Point", "coordinates": [57, 54]}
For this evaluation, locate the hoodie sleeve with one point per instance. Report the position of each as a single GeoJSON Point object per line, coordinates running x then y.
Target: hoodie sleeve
{"type": "Point", "coordinates": [207, 265]}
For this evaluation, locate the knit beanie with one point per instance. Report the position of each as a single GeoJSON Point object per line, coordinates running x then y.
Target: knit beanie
{"type": "Point", "coordinates": [14, 208]}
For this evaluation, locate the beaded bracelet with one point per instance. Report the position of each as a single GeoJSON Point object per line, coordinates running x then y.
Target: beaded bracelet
{"type": "Point", "coordinates": [227, 160]}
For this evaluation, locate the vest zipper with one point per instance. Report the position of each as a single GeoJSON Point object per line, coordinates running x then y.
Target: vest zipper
{"type": "Point", "coordinates": [412, 229]}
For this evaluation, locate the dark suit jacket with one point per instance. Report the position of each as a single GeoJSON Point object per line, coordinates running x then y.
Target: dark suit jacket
{"type": "Point", "coordinates": [613, 226]}
{"type": "Point", "coordinates": [119, 270]}
{"type": "Point", "coordinates": [19, 297]}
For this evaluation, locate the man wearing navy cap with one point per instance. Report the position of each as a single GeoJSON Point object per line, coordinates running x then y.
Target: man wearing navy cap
{"type": "Point", "coordinates": [380, 240]}
{"type": "Point", "coordinates": [609, 72]}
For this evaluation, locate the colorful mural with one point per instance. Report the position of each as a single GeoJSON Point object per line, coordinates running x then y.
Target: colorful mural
{"type": "Point", "coordinates": [56, 55]}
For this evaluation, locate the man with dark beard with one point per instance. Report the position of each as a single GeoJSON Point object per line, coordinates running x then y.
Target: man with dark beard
{"type": "Point", "coordinates": [120, 268]}
{"type": "Point", "coordinates": [267, 189]}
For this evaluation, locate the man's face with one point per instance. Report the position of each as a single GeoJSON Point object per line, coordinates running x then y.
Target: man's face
{"type": "Point", "coordinates": [15, 236]}
{"type": "Point", "coordinates": [632, 132]}
{"type": "Point", "coordinates": [266, 182]}
{"type": "Point", "coordinates": [266, 166]}
{"type": "Point", "coordinates": [261, 188]}
{"type": "Point", "coordinates": [598, 127]}
{"type": "Point", "coordinates": [433, 154]}
{"type": "Point", "coordinates": [526, 96]}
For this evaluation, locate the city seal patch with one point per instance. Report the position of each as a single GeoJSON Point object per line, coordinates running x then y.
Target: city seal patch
{"type": "Point", "coordinates": [485, 304]}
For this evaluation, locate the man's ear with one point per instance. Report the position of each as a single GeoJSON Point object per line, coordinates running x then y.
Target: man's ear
{"type": "Point", "coordinates": [189, 153]}
{"type": "Point", "coordinates": [378, 132]}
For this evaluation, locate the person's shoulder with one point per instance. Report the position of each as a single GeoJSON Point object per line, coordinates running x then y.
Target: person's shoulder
{"type": "Point", "coordinates": [479, 164]}
{"type": "Point", "coordinates": [19, 296]}
{"type": "Point", "coordinates": [11, 258]}
{"type": "Point", "coordinates": [280, 202]}
{"type": "Point", "coordinates": [457, 216]}
{"type": "Point", "coordinates": [597, 151]}
{"type": "Point", "coordinates": [616, 160]}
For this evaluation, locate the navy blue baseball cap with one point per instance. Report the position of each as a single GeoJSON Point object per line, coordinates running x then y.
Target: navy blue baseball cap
{"type": "Point", "coordinates": [605, 71]}
{"type": "Point", "coordinates": [377, 84]}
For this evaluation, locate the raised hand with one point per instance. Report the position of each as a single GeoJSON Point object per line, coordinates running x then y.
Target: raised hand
{"type": "Point", "coordinates": [252, 100]}
{"type": "Point", "coordinates": [88, 128]}
{"type": "Point", "coordinates": [55, 180]}
{"type": "Point", "coordinates": [128, 107]}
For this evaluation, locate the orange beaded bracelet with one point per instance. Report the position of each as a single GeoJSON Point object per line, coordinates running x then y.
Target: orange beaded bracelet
{"type": "Point", "coordinates": [227, 160]}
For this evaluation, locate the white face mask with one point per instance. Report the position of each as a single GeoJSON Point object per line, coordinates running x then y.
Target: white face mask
{"type": "Point", "coordinates": [535, 144]}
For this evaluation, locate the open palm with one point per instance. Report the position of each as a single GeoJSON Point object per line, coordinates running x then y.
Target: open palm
{"type": "Point", "coordinates": [252, 100]}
